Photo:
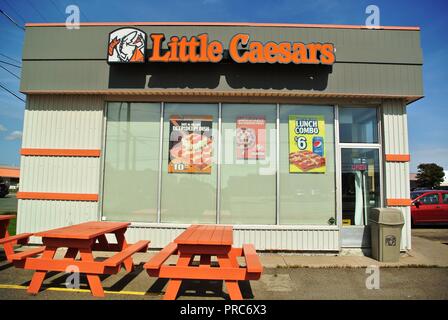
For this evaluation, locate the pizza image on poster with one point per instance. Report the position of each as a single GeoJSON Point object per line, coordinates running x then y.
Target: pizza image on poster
{"type": "Point", "coordinates": [307, 144]}
{"type": "Point", "coordinates": [191, 144]}
{"type": "Point", "coordinates": [251, 138]}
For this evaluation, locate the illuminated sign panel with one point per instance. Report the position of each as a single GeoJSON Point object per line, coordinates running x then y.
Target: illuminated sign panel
{"type": "Point", "coordinates": [128, 45]}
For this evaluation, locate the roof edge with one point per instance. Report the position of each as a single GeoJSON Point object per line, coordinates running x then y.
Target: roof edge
{"type": "Point", "coordinates": [240, 93]}
{"type": "Point", "coordinates": [229, 24]}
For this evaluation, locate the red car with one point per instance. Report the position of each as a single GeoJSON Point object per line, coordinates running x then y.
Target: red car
{"type": "Point", "coordinates": [429, 206]}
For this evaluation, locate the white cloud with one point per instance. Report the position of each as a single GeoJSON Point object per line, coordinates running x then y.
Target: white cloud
{"type": "Point", "coordinates": [15, 135]}
{"type": "Point", "coordinates": [3, 128]}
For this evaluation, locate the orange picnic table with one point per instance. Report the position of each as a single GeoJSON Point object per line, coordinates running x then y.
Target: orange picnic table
{"type": "Point", "coordinates": [83, 238]}
{"type": "Point", "coordinates": [8, 241]}
{"type": "Point", "coordinates": [205, 241]}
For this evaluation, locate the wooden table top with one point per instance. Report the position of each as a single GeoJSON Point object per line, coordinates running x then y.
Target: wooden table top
{"type": "Point", "coordinates": [84, 231]}
{"type": "Point", "coordinates": [206, 235]}
{"type": "Point", "coordinates": [7, 217]}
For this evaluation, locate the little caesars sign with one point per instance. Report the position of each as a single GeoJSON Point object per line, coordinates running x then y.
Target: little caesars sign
{"type": "Point", "coordinates": [128, 45]}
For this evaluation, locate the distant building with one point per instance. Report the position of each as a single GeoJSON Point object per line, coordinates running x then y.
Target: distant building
{"type": "Point", "coordinates": [10, 175]}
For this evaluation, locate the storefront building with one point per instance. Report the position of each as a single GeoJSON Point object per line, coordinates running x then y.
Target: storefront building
{"type": "Point", "coordinates": [290, 133]}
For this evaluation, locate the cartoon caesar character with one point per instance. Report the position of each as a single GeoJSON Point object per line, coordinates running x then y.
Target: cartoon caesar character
{"type": "Point", "coordinates": [129, 47]}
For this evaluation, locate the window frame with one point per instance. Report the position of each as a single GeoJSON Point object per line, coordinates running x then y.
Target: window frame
{"type": "Point", "coordinates": [337, 147]}
{"type": "Point", "coordinates": [345, 145]}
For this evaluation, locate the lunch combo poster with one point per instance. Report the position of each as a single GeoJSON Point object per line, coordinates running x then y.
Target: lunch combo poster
{"type": "Point", "coordinates": [307, 144]}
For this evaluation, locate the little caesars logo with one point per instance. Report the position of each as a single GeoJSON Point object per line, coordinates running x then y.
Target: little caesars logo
{"type": "Point", "coordinates": [129, 44]}
{"type": "Point", "coordinates": [126, 45]}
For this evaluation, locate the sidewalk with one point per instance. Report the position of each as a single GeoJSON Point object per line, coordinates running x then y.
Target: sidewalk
{"type": "Point", "coordinates": [425, 253]}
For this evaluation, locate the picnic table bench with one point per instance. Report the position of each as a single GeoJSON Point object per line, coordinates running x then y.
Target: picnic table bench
{"type": "Point", "coordinates": [83, 238]}
{"type": "Point", "coordinates": [205, 241]}
{"type": "Point", "coordinates": [8, 242]}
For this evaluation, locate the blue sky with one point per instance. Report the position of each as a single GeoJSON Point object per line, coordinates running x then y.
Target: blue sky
{"type": "Point", "coordinates": [428, 117]}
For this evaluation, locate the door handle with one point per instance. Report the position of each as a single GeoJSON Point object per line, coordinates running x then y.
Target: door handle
{"type": "Point", "coordinates": [437, 207]}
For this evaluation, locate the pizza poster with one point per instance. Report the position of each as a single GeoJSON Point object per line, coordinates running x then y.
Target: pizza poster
{"type": "Point", "coordinates": [251, 138]}
{"type": "Point", "coordinates": [307, 144]}
{"type": "Point", "coordinates": [191, 144]}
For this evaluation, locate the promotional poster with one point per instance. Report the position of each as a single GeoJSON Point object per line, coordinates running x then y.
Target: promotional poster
{"type": "Point", "coordinates": [306, 144]}
{"type": "Point", "coordinates": [191, 144]}
{"type": "Point", "coordinates": [251, 138]}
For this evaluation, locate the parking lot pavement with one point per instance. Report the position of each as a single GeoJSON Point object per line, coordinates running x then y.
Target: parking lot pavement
{"type": "Point", "coordinates": [279, 284]}
{"type": "Point", "coordinates": [436, 233]}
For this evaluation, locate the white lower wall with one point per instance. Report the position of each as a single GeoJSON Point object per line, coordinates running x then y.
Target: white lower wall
{"type": "Point", "coordinates": [306, 238]}
{"type": "Point", "coordinates": [41, 215]}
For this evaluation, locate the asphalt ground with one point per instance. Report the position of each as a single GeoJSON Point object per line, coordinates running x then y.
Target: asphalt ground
{"type": "Point", "coordinates": [275, 283]}
{"type": "Point", "coordinates": [435, 233]}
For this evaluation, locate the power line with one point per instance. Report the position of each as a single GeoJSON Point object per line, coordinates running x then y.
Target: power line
{"type": "Point", "coordinates": [10, 64]}
{"type": "Point", "coordinates": [57, 8]}
{"type": "Point", "coordinates": [35, 9]}
{"type": "Point", "coordinates": [6, 89]}
{"type": "Point", "coordinates": [10, 72]}
{"type": "Point", "coordinates": [15, 11]}
{"type": "Point", "coordinates": [4, 55]}
{"type": "Point", "coordinates": [11, 19]}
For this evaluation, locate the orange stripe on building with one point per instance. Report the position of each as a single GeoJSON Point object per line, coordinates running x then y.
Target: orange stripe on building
{"type": "Point", "coordinates": [57, 196]}
{"type": "Point", "coordinates": [61, 152]}
{"type": "Point", "coordinates": [229, 24]}
{"type": "Point", "coordinates": [399, 202]}
{"type": "Point", "coordinates": [398, 157]}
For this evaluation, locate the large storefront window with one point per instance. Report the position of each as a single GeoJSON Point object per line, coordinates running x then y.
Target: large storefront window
{"type": "Point", "coordinates": [131, 162]}
{"type": "Point", "coordinates": [358, 125]}
{"type": "Point", "coordinates": [360, 184]}
{"type": "Point", "coordinates": [248, 164]}
{"type": "Point", "coordinates": [307, 167]}
{"type": "Point", "coordinates": [189, 170]}
{"type": "Point", "coordinates": [272, 170]}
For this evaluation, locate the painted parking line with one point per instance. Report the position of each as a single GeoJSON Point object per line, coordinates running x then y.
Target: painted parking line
{"type": "Point", "coordinates": [17, 287]}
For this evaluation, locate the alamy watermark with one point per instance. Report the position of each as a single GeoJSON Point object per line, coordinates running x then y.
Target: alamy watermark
{"type": "Point", "coordinates": [373, 18]}
{"type": "Point", "coordinates": [73, 19]}
{"type": "Point", "coordinates": [373, 280]}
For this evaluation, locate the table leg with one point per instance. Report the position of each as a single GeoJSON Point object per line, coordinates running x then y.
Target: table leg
{"type": "Point", "coordinates": [8, 247]}
{"type": "Point", "coordinates": [39, 275]}
{"type": "Point", "coordinates": [71, 253]}
{"type": "Point", "coordinates": [174, 284]}
{"type": "Point", "coordinates": [232, 285]}
{"type": "Point", "coordinates": [122, 244]}
{"type": "Point", "coordinates": [205, 260]}
{"type": "Point", "coordinates": [94, 280]}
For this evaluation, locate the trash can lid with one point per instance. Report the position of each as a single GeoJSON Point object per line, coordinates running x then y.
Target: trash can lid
{"type": "Point", "coordinates": [390, 216]}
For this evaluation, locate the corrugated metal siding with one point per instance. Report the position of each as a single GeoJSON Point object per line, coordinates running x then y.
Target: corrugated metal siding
{"type": "Point", "coordinates": [60, 174]}
{"type": "Point", "coordinates": [299, 239]}
{"type": "Point", "coordinates": [395, 138]}
{"type": "Point", "coordinates": [39, 215]}
{"type": "Point", "coordinates": [65, 122]}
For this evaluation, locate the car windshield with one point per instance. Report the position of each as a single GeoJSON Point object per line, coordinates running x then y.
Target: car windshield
{"type": "Point", "coordinates": [416, 194]}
